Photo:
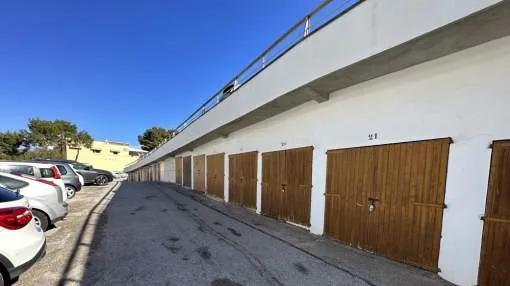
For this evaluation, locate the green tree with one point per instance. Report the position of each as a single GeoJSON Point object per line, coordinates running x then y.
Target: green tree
{"type": "Point", "coordinates": [11, 144]}
{"type": "Point", "coordinates": [49, 134]}
{"type": "Point", "coordinates": [82, 139]}
{"type": "Point", "coordinates": [153, 137]}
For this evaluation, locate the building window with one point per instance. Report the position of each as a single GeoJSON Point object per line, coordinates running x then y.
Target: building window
{"type": "Point", "coordinates": [115, 152]}
{"type": "Point", "coordinates": [96, 151]}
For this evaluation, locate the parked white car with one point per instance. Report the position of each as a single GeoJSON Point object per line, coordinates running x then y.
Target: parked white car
{"type": "Point", "coordinates": [22, 243]}
{"type": "Point", "coordinates": [44, 171]}
{"type": "Point", "coordinates": [46, 199]}
{"type": "Point", "coordinates": [80, 177]}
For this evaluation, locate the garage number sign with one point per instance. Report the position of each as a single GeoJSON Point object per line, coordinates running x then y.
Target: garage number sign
{"type": "Point", "coordinates": [372, 136]}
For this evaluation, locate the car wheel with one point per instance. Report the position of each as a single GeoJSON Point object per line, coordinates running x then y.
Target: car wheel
{"type": "Point", "coordinates": [70, 191]}
{"type": "Point", "coordinates": [40, 219]}
{"type": "Point", "coordinates": [101, 180]}
{"type": "Point", "coordinates": [2, 278]}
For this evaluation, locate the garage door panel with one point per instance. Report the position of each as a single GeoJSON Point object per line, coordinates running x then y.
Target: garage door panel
{"type": "Point", "coordinates": [298, 182]}
{"type": "Point", "coordinates": [250, 180]}
{"type": "Point", "coordinates": [250, 193]}
{"type": "Point", "coordinates": [494, 259]}
{"type": "Point", "coordinates": [273, 165]}
{"type": "Point", "coordinates": [398, 190]}
{"type": "Point", "coordinates": [286, 184]}
{"type": "Point", "coordinates": [216, 175]}
{"type": "Point", "coordinates": [186, 168]}
{"type": "Point", "coordinates": [494, 268]}
{"type": "Point", "coordinates": [266, 197]}
{"type": "Point", "coordinates": [233, 196]}
{"type": "Point", "coordinates": [346, 219]}
{"type": "Point", "coordinates": [199, 173]}
{"type": "Point", "coordinates": [243, 179]}
{"type": "Point", "coordinates": [499, 196]}
{"type": "Point", "coordinates": [178, 170]}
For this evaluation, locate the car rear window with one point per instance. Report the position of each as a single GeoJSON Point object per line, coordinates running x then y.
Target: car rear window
{"type": "Point", "coordinates": [46, 173]}
{"type": "Point", "coordinates": [27, 170]}
{"type": "Point", "coordinates": [62, 170]}
{"type": "Point", "coordinates": [11, 183]}
{"type": "Point", "coordinates": [79, 166]}
{"type": "Point", "coordinates": [8, 196]}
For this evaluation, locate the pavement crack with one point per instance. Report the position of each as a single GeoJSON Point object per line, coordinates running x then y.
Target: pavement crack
{"type": "Point", "coordinates": [301, 268]}
{"type": "Point", "coordinates": [234, 232]}
{"type": "Point", "coordinates": [224, 282]}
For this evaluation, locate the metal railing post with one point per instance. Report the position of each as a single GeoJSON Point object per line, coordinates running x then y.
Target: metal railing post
{"type": "Point", "coordinates": [236, 83]}
{"type": "Point", "coordinates": [307, 27]}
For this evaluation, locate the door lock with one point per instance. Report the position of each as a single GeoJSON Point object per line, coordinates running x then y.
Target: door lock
{"type": "Point", "coordinates": [371, 204]}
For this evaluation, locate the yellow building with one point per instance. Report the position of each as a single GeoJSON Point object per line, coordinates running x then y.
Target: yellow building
{"type": "Point", "coordinates": [107, 155]}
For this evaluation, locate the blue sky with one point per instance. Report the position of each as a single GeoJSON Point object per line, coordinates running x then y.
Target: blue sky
{"type": "Point", "coordinates": [118, 67]}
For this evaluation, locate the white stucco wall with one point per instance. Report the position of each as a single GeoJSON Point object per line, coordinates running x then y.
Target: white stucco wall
{"type": "Point", "coordinates": [167, 170]}
{"type": "Point", "coordinates": [465, 96]}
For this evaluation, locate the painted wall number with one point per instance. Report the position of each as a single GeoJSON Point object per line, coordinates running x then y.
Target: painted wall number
{"type": "Point", "coordinates": [372, 136]}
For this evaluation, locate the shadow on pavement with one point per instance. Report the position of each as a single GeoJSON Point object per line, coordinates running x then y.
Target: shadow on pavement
{"type": "Point", "coordinates": [79, 243]}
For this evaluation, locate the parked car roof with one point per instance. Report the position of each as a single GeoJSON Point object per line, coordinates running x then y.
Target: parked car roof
{"type": "Point", "coordinates": [28, 163]}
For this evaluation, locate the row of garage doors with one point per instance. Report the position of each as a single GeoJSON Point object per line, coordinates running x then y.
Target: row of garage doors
{"type": "Point", "coordinates": [388, 199]}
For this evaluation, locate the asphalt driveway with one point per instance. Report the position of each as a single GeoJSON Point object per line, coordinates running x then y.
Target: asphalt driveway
{"type": "Point", "coordinates": [159, 234]}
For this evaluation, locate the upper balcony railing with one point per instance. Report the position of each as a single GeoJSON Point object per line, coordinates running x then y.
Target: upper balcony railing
{"type": "Point", "coordinates": [326, 12]}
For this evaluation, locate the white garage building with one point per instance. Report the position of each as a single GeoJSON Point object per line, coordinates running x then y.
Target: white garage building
{"type": "Point", "coordinates": [383, 127]}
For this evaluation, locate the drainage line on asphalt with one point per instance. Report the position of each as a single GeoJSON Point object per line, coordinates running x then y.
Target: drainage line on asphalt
{"type": "Point", "coordinates": [178, 189]}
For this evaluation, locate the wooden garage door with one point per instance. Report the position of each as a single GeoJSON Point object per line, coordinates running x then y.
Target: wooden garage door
{"type": "Point", "coordinates": [161, 170]}
{"type": "Point", "coordinates": [186, 167]}
{"type": "Point", "coordinates": [495, 254]}
{"type": "Point", "coordinates": [287, 184]}
{"type": "Point", "coordinates": [178, 170]}
{"type": "Point", "coordinates": [243, 179]}
{"type": "Point", "coordinates": [149, 172]}
{"type": "Point", "coordinates": [216, 175]}
{"type": "Point", "coordinates": [155, 172]}
{"type": "Point", "coordinates": [199, 173]}
{"type": "Point", "coordinates": [389, 199]}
